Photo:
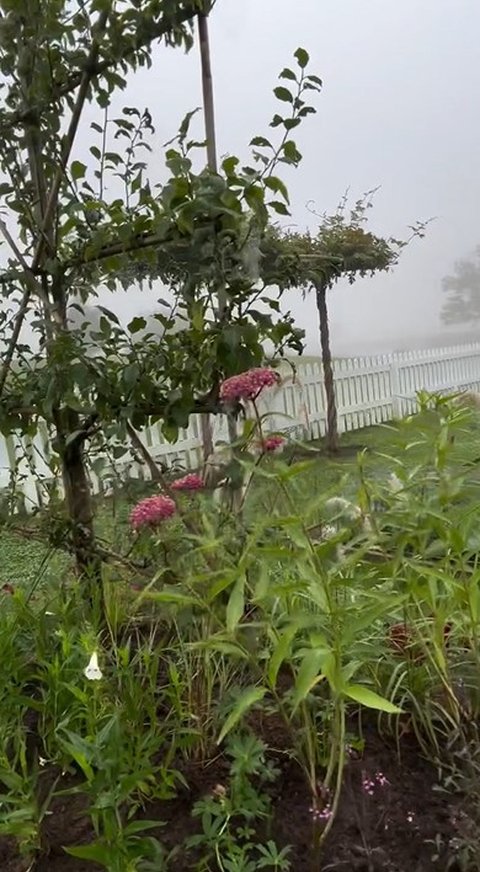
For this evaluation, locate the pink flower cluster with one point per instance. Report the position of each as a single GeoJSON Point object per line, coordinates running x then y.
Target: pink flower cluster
{"type": "Point", "coordinates": [321, 814]}
{"type": "Point", "coordinates": [190, 482]}
{"type": "Point", "coordinates": [248, 385]}
{"type": "Point", "coordinates": [370, 783]}
{"type": "Point", "coordinates": [271, 444]}
{"type": "Point", "coordinates": [151, 511]}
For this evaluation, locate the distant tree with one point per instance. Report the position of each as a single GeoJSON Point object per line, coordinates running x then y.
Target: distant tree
{"type": "Point", "coordinates": [341, 248]}
{"type": "Point", "coordinates": [463, 291]}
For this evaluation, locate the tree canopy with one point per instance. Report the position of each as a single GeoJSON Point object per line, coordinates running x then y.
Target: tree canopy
{"type": "Point", "coordinates": [201, 229]}
{"type": "Point", "coordinates": [341, 246]}
{"type": "Point", "coordinates": [462, 288]}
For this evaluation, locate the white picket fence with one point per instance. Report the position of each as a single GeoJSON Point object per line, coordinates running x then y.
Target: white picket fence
{"type": "Point", "coordinates": [369, 391]}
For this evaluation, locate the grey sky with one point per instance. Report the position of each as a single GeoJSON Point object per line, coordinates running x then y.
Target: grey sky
{"type": "Point", "coordinates": [398, 110]}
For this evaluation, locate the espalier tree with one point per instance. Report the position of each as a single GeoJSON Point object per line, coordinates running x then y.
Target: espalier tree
{"type": "Point", "coordinates": [65, 236]}
{"type": "Point", "coordinates": [342, 247]}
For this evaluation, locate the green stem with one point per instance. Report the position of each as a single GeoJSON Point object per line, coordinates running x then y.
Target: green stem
{"type": "Point", "coordinates": [340, 747]}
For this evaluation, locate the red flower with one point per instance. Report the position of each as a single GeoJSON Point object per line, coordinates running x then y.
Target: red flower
{"type": "Point", "coordinates": [271, 444]}
{"type": "Point", "coordinates": [190, 482]}
{"type": "Point", "coordinates": [151, 511]}
{"type": "Point", "coordinates": [248, 385]}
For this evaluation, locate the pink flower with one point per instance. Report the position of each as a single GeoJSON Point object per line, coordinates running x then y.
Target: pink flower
{"type": "Point", "coordinates": [248, 385]}
{"type": "Point", "coordinates": [321, 814]}
{"type": "Point", "coordinates": [151, 511]}
{"type": "Point", "coordinates": [370, 783]}
{"type": "Point", "coordinates": [271, 444]}
{"type": "Point", "coordinates": [190, 482]}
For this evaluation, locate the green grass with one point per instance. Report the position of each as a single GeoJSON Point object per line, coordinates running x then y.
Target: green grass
{"type": "Point", "coordinates": [27, 562]}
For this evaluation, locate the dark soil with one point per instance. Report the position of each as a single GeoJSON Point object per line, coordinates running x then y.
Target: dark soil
{"type": "Point", "coordinates": [396, 829]}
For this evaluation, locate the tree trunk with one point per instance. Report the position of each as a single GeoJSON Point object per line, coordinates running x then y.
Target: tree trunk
{"type": "Point", "coordinates": [209, 115]}
{"type": "Point", "coordinates": [207, 88]}
{"type": "Point", "coordinates": [78, 500]}
{"type": "Point", "coordinates": [332, 428]}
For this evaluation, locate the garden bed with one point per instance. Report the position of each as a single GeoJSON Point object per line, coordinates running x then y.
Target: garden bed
{"type": "Point", "coordinates": [394, 816]}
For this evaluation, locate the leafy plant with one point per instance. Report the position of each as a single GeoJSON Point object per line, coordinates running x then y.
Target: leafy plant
{"type": "Point", "coordinates": [229, 814]}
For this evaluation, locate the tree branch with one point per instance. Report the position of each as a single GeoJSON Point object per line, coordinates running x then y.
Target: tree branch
{"type": "Point", "coordinates": [70, 136]}
{"type": "Point", "coordinates": [14, 338]}
{"type": "Point", "coordinates": [13, 245]}
{"type": "Point", "coordinates": [137, 443]}
{"type": "Point", "coordinates": [94, 68]}
{"type": "Point", "coordinates": [53, 198]}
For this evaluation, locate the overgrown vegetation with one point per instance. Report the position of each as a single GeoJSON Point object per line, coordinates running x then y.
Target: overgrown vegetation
{"type": "Point", "coordinates": [70, 228]}
{"type": "Point", "coordinates": [255, 648]}
{"type": "Point", "coordinates": [249, 640]}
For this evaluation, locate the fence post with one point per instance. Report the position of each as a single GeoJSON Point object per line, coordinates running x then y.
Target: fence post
{"type": "Point", "coordinates": [395, 390]}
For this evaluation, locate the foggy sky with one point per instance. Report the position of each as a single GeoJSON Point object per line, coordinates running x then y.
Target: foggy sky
{"type": "Point", "coordinates": [399, 110]}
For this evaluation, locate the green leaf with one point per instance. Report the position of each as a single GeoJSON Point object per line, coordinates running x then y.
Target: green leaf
{"type": "Point", "coordinates": [297, 469]}
{"type": "Point", "coordinates": [288, 74]}
{"type": "Point", "coordinates": [283, 94]}
{"type": "Point", "coordinates": [278, 207]}
{"type": "Point", "coordinates": [229, 649]}
{"type": "Point", "coordinates": [184, 127]}
{"type": "Point", "coordinates": [370, 699]}
{"type": "Point", "coordinates": [141, 826]}
{"type": "Point", "coordinates": [291, 152]}
{"type": "Point", "coordinates": [245, 701]}
{"type": "Point", "coordinates": [261, 142]}
{"type": "Point", "coordinates": [137, 324]}
{"type": "Point", "coordinates": [172, 596]}
{"type": "Point", "coordinates": [229, 165]}
{"type": "Point", "coordinates": [97, 852]}
{"type": "Point", "coordinates": [109, 314]}
{"type": "Point", "coordinates": [236, 604]}
{"type": "Point", "coordinates": [281, 651]}
{"type": "Point", "coordinates": [254, 196]}
{"type": "Point", "coordinates": [79, 751]}
{"type": "Point", "coordinates": [78, 170]}
{"type": "Point", "coordinates": [302, 57]}
{"type": "Point", "coordinates": [275, 184]}
{"type": "Point", "coordinates": [308, 675]}
{"type": "Point", "coordinates": [170, 431]}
